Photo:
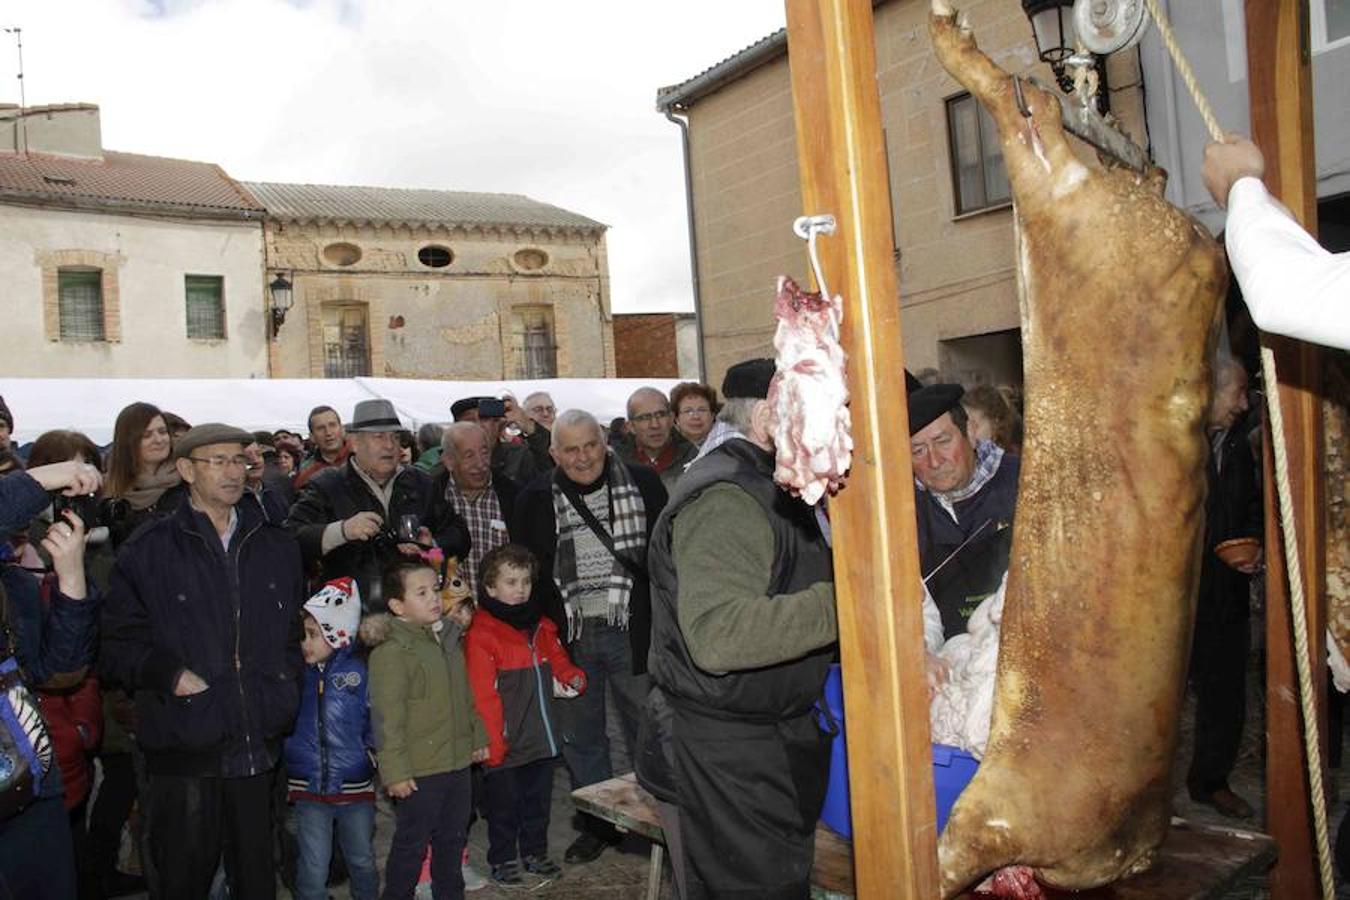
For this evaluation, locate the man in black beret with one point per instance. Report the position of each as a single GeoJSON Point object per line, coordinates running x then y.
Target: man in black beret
{"type": "Point", "coordinates": [510, 460]}
{"type": "Point", "coordinates": [6, 425]}
{"type": "Point", "coordinates": [965, 493]}
{"type": "Point", "coordinates": [743, 633]}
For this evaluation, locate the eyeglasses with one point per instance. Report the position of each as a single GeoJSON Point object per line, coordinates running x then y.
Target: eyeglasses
{"type": "Point", "coordinates": [695, 411]}
{"type": "Point", "coordinates": [643, 419]}
{"type": "Point", "coordinates": [219, 462]}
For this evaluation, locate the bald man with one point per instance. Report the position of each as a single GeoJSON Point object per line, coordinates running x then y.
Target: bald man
{"type": "Point", "coordinates": [655, 443]}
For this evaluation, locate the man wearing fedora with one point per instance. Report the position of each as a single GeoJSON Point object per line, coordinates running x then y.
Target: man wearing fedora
{"type": "Point", "coordinates": [201, 622]}
{"type": "Point", "coordinates": [357, 518]}
{"type": "Point", "coordinates": [965, 493]}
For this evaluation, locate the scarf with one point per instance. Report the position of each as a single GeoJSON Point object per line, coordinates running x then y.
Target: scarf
{"type": "Point", "coordinates": [147, 489]}
{"type": "Point", "coordinates": [523, 616]}
{"type": "Point", "coordinates": [628, 529]}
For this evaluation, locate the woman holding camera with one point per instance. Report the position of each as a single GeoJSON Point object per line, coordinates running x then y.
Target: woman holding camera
{"type": "Point", "coordinates": [140, 468]}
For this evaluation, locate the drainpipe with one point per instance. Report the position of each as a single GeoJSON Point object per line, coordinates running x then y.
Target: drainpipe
{"type": "Point", "coordinates": [693, 240]}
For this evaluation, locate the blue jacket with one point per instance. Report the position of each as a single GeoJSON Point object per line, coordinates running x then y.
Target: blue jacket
{"type": "Point", "coordinates": [51, 641]}
{"type": "Point", "coordinates": [179, 600]}
{"type": "Point", "coordinates": [328, 754]}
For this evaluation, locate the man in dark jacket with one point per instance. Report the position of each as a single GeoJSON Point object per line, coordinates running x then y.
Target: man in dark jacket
{"type": "Point", "coordinates": [655, 442]}
{"type": "Point", "coordinates": [965, 493]}
{"type": "Point", "coordinates": [516, 461]}
{"type": "Point", "coordinates": [485, 502]}
{"type": "Point", "coordinates": [593, 583]}
{"type": "Point", "coordinates": [50, 646]}
{"type": "Point", "coordinates": [1222, 638]}
{"type": "Point", "coordinates": [358, 518]}
{"type": "Point", "coordinates": [743, 633]}
{"type": "Point", "coordinates": [202, 623]}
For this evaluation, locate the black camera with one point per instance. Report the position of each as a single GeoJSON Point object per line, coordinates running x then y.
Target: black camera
{"type": "Point", "coordinates": [489, 408]}
{"type": "Point", "coordinates": [93, 511]}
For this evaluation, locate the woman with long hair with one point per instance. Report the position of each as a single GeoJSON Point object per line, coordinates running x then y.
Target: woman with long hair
{"type": "Point", "coordinates": [140, 467]}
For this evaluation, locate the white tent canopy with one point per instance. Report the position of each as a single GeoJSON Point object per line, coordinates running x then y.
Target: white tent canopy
{"type": "Point", "coordinates": [90, 405]}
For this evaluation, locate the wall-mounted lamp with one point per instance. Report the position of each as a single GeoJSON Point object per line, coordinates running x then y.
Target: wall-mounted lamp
{"type": "Point", "coordinates": [281, 301]}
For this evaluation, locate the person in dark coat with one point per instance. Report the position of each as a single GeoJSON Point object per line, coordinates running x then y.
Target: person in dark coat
{"type": "Point", "coordinates": [965, 494]}
{"type": "Point", "coordinates": [202, 624]}
{"type": "Point", "coordinates": [594, 585]}
{"type": "Point", "coordinates": [464, 482]}
{"type": "Point", "coordinates": [1222, 637]}
{"type": "Point", "coordinates": [49, 644]}
{"type": "Point", "coordinates": [516, 461]}
{"type": "Point", "coordinates": [359, 518]}
{"type": "Point", "coordinates": [743, 634]}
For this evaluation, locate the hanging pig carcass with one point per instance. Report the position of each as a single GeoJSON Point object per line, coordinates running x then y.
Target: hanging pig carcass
{"type": "Point", "coordinates": [1119, 293]}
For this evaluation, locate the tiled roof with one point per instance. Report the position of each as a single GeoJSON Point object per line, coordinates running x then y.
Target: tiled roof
{"type": "Point", "coordinates": [125, 181]}
{"type": "Point", "coordinates": [684, 94]}
{"type": "Point", "coordinates": [404, 206]}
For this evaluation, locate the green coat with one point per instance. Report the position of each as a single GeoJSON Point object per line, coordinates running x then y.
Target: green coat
{"type": "Point", "coordinates": [420, 702]}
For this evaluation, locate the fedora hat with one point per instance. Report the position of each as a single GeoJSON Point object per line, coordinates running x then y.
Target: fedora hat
{"type": "Point", "coordinates": [374, 415]}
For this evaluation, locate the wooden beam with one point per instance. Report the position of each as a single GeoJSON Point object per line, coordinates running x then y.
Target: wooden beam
{"type": "Point", "coordinates": [1280, 87]}
{"type": "Point", "coordinates": [841, 156]}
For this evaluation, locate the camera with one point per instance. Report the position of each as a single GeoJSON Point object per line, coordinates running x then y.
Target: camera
{"type": "Point", "coordinates": [93, 511]}
{"type": "Point", "coordinates": [489, 408]}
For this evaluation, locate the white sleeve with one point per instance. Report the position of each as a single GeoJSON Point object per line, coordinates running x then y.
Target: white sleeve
{"type": "Point", "coordinates": [932, 623]}
{"type": "Point", "coordinates": [1292, 285]}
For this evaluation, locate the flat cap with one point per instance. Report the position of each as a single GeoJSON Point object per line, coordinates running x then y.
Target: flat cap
{"type": "Point", "coordinates": [208, 434]}
{"type": "Point", "coordinates": [749, 379]}
{"type": "Point", "coordinates": [928, 403]}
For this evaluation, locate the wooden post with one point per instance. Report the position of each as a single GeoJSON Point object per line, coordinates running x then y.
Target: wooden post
{"type": "Point", "coordinates": [1280, 85]}
{"type": "Point", "coordinates": [841, 155]}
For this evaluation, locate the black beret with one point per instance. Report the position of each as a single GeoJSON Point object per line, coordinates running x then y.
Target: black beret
{"type": "Point", "coordinates": [208, 434]}
{"type": "Point", "coordinates": [461, 406]}
{"type": "Point", "coordinates": [749, 379]}
{"type": "Point", "coordinates": [912, 384]}
{"type": "Point", "coordinates": [264, 439]}
{"type": "Point", "coordinates": [926, 404]}
{"type": "Point", "coordinates": [5, 415]}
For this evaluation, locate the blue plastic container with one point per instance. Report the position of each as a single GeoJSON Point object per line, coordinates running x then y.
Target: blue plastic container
{"type": "Point", "coordinates": [952, 769]}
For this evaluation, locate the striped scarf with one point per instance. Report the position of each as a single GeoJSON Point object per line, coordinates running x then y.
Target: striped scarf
{"type": "Point", "coordinates": [628, 529]}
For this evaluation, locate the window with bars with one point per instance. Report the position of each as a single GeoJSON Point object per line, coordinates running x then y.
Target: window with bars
{"type": "Point", "coordinates": [979, 178]}
{"type": "Point", "coordinates": [206, 307]}
{"type": "Point", "coordinates": [346, 341]}
{"type": "Point", "coordinates": [80, 304]}
{"type": "Point", "coordinates": [536, 353]}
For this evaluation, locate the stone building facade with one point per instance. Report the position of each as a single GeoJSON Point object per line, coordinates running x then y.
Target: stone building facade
{"type": "Point", "coordinates": [435, 284]}
{"type": "Point", "coordinates": [118, 265]}
{"type": "Point", "coordinates": [952, 222]}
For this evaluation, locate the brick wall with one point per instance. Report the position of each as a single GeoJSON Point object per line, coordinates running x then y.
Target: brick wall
{"type": "Point", "coordinates": [644, 346]}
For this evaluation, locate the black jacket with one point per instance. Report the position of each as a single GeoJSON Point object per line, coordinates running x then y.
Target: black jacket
{"type": "Point", "coordinates": [1232, 510]}
{"type": "Point", "coordinates": [536, 528]}
{"type": "Point", "coordinates": [340, 493]}
{"type": "Point", "coordinates": [507, 491]}
{"type": "Point", "coordinates": [178, 600]}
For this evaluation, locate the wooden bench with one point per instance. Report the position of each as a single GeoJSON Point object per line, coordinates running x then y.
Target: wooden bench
{"type": "Point", "coordinates": [1196, 862]}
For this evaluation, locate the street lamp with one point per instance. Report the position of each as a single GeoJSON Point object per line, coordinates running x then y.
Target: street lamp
{"type": "Point", "coordinates": [1052, 24]}
{"type": "Point", "coordinates": [281, 301]}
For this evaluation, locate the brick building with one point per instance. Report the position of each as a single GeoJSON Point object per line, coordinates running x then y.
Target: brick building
{"type": "Point", "coordinates": [952, 225]}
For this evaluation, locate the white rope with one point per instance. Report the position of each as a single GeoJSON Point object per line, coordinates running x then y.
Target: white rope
{"type": "Point", "coordinates": [1293, 563]}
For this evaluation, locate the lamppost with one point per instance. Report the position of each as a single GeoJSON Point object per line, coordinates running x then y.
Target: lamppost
{"type": "Point", "coordinates": [1057, 40]}
{"type": "Point", "coordinates": [281, 290]}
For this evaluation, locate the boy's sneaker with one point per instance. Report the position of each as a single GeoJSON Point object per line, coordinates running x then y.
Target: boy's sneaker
{"type": "Point", "coordinates": [474, 880]}
{"type": "Point", "coordinates": [508, 874]}
{"type": "Point", "coordinates": [542, 866]}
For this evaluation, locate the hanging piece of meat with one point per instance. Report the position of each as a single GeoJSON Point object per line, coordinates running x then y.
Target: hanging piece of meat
{"type": "Point", "coordinates": [1119, 294]}
{"type": "Point", "coordinates": [809, 394]}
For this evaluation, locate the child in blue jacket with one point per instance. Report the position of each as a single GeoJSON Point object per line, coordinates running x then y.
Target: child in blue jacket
{"type": "Point", "coordinates": [328, 759]}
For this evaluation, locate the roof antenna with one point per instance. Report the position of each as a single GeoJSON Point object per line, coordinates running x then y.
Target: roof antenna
{"type": "Point", "coordinates": [23, 103]}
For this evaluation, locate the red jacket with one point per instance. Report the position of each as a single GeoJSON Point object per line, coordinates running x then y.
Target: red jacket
{"type": "Point", "coordinates": [512, 674]}
{"type": "Point", "coordinates": [74, 715]}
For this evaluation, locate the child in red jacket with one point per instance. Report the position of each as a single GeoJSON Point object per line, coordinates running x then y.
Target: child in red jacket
{"type": "Point", "coordinates": [516, 667]}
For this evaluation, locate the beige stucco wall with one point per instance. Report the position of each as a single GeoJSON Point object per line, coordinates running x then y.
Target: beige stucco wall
{"type": "Point", "coordinates": [956, 276]}
{"type": "Point", "coordinates": [451, 322]}
{"type": "Point", "coordinates": [148, 259]}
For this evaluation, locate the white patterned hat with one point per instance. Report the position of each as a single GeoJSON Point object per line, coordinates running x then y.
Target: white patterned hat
{"type": "Point", "coordinates": [337, 609]}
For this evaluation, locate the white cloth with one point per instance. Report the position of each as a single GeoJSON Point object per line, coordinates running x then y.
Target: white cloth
{"type": "Point", "coordinates": [962, 707]}
{"type": "Point", "coordinates": [1293, 285]}
{"type": "Point", "coordinates": [1340, 669]}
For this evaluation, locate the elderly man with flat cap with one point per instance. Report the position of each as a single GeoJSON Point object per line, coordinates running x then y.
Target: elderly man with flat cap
{"type": "Point", "coordinates": [965, 493]}
{"type": "Point", "coordinates": [201, 623]}
{"type": "Point", "coordinates": [743, 633]}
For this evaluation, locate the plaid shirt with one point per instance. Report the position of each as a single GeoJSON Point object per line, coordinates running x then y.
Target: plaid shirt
{"type": "Point", "coordinates": [487, 527]}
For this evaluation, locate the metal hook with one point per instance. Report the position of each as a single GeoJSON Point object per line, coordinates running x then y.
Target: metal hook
{"type": "Point", "coordinates": [807, 227]}
{"type": "Point", "coordinates": [1020, 98]}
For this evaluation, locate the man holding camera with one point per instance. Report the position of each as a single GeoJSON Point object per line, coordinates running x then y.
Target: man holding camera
{"type": "Point", "coordinates": [51, 645]}
{"type": "Point", "coordinates": [356, 519]}
{"type": "Point", "coordinates": [202, 623]}
{"type": "Point", "coordinates": [514, 461]}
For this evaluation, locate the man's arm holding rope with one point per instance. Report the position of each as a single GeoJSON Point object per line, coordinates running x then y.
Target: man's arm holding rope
{"type": "Point", "coordinates": [1292, 285]}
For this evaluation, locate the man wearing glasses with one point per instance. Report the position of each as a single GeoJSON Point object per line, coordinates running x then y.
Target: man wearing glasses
{"type": "Point", "coordinates": [656, 445]}
{"type": "Point", "coordinates": [201, 622]}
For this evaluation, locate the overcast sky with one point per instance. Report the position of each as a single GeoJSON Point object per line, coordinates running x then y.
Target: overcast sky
{"type": "Point", "coordinates": [551, 99]}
